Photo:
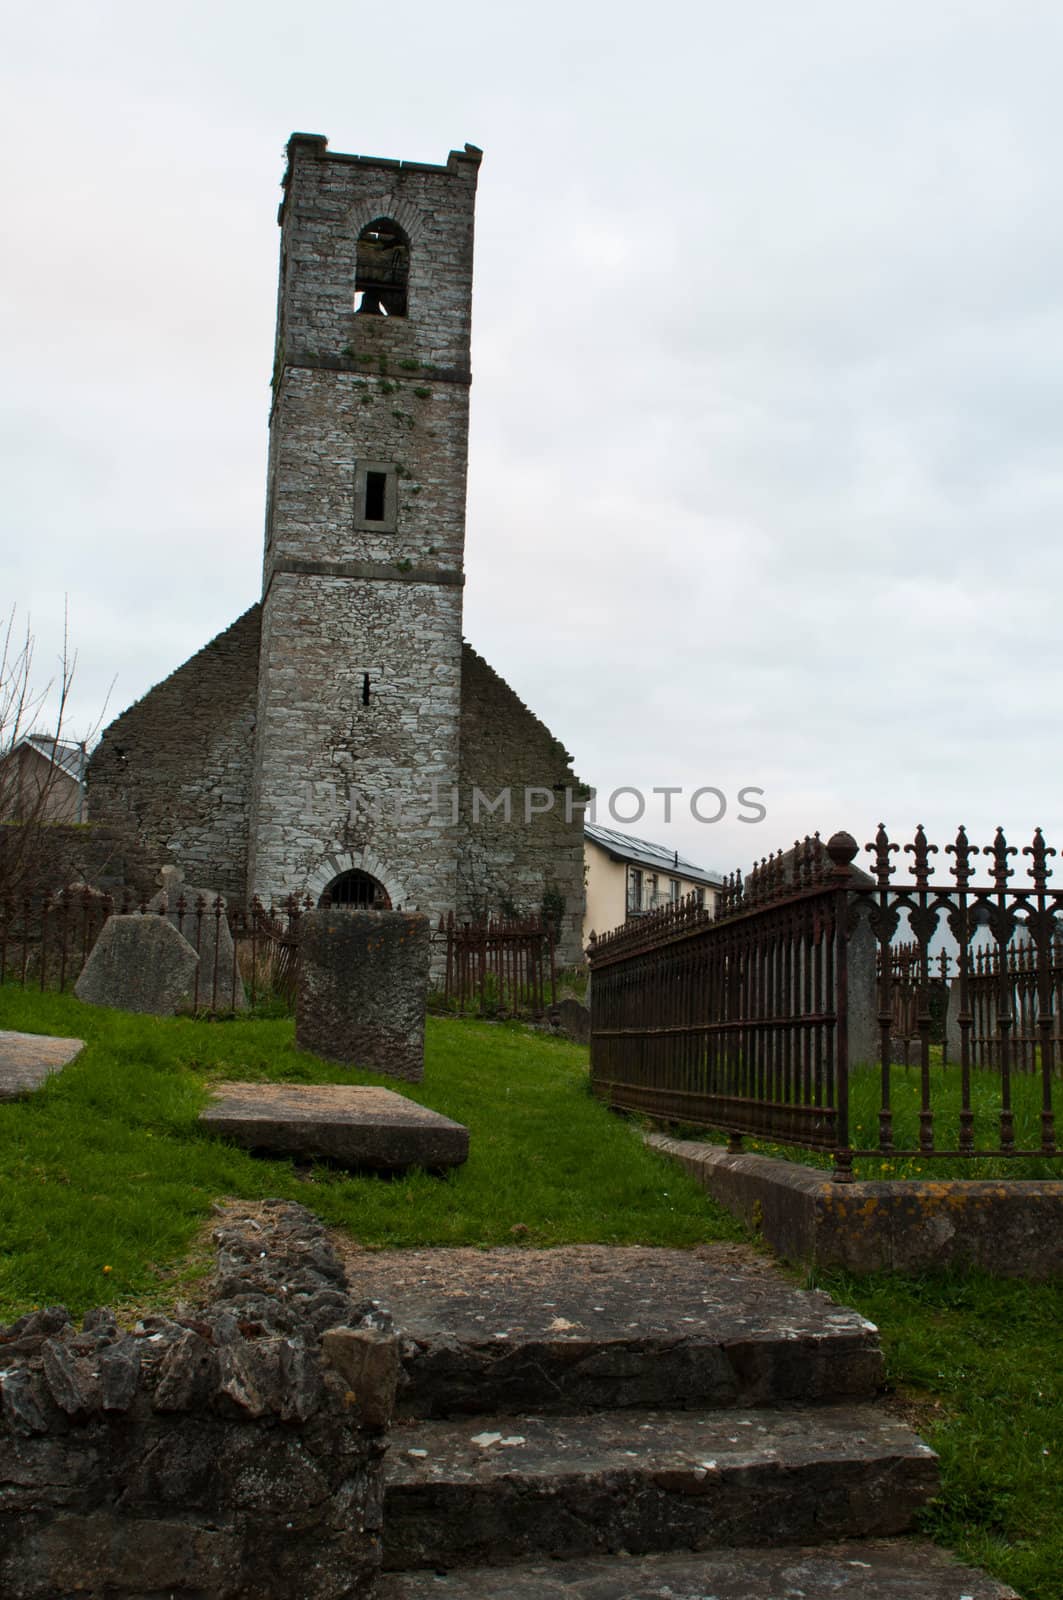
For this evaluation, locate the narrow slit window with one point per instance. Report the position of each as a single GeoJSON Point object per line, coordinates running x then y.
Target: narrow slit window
{"type": "Point", "coordinates": [365, 689]}
{"type": "Point", "coordinates": [376, 486]}
{"type": "Point", "coordinates": [376, 496]}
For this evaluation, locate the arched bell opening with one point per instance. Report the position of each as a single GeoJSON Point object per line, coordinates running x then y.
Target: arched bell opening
{"type": "Point", "coordinates": [382, 270]}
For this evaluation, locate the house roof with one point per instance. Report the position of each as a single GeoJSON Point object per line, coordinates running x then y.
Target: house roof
{"type": "Point", "coordinates": [69, 758]}
{"type": "Point", "coordinates": [644, 853]}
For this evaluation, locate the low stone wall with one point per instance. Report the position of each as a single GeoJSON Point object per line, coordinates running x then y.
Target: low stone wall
{"type": "Point", "coordinates": [231, 1452]}
{"type": "Point", "coordinates": [59, 854]}
{"type": "Point", "coordinates": [1012, 1229]}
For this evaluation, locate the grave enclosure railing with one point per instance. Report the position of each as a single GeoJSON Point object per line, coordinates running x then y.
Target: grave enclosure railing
{"type": "Point", "coordinates": [744, 1022]}
{"type": "Point", "coordinates": [501, 966]}
{"type": "Point", "coordinates": [45, 941]}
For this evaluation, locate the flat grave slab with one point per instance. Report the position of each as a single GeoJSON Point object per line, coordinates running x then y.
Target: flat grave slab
{"type": "Point", "coordinates": [27, 1059]}
{"type": "Point", "coordinates": [351, 1124]}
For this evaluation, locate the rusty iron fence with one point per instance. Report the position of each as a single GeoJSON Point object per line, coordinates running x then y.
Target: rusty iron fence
{"type": "Point", "coordinates": [45, 941]}
{"type": "Point", "coordinates": [501, 966]}
{"type": "Point", "coordinates": [731, 1021]}
{"type": "Point", "coordinates": [742, 1022]}
{"type": "Point", "coordinates": [909, 976]}
{"type": "Point", "coordinates": [1019, 974]}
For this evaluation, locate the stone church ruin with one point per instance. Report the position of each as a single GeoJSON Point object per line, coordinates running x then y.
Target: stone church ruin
{"type": "Point", "coordinates": [335, 737]}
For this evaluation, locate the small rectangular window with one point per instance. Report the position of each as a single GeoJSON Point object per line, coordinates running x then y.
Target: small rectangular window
{"type": "Point", "coordinates": [376, 484]}
{"type": "Point", "coordinates": [376, 496]}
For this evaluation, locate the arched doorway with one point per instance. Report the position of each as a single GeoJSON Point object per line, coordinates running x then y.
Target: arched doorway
{"type": "Point", "coordinates": [358, 890]}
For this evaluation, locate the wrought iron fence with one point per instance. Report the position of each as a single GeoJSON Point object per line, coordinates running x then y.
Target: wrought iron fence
{"type": "Point", "coordinates": [745, 1022]}
{"type": "Point", "coordinates": [505, 966]}
{"type": "Point", "coordinates": [907, 981]}
{"type": "Point", "coordinates": [1019, 974]}
{"type": "Point", "coordinates": [731, 1021]}
{"type": "Point", "coordinates": [45, 941]}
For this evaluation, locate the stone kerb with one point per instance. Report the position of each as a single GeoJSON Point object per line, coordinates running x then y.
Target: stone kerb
{"type": "Point", "coordinates": [229, 1450]}
{"type": "Point", "coordinates": [363, 983]}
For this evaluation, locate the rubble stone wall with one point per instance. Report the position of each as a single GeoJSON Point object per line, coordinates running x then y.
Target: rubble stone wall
{"type": "Point", "coordinates": [173, 772]}
{"type": "Point", "coordinates": [218, 1452]}
{"type": "Point", "coordinates": [533, 860]}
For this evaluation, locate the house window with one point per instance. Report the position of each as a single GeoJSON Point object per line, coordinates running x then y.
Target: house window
{"type": "Point", "coordinates": [376, 496]}
{"type": "Point", "coordinates": [634, 890]}
{"type": "Point", "coordinates": [673, 889]}
{"type": "Point", "coordinates": [652, 897]}
{"type": "Point", "coordinates": [382, 271]}
{"type": "Point", "coordinates": [701, 897]}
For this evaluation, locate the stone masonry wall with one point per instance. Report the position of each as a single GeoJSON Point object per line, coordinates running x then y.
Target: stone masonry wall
{"type": "Point", "coordinates": [173, 772]}
{"type": "Point", "coordinates": [326, 757]}
{"type": "Point", "coordinates": [219, 1452]}
{"type": "Point", "coordinates": [510, 866]}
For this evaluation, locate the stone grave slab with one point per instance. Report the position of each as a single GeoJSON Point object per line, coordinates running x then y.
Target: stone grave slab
{"type": "Point", "coordinates": [351, 1124]}
{"type": "Point", "coordinates": [27, 1059]}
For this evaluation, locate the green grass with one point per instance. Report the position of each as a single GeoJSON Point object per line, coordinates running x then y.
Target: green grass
{"type": "Point", "coordinates": [106, 1166]}
{"type": "Point", "coordinates": [980, 1363]}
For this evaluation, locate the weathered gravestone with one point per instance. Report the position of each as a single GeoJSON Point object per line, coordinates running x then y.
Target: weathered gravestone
{"type": "Point", "coordinates": [199, 915]}
{"type": "Point", "coordinates": [571, 1018]}
{"type": "Point", "coordinates": [139, 963]}
{"type": "Point", "coordinates": [363, 980]}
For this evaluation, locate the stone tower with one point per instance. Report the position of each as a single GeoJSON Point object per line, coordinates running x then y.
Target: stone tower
{"type": "Point", "coordinates": [360, 669]}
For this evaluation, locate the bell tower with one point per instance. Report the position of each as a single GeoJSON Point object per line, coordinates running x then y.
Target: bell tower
{"type": "Point", "coordinates": [359, 687]}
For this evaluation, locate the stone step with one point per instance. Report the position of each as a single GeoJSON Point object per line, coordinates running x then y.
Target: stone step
{"type": "Point", "coordinates": [882, 1570]}
{"type": "Point", "coordinates": [496, 1490]}
{"type": "Point", "coordinates": [587, 1328]}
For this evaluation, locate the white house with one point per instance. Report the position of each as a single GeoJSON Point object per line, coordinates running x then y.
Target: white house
{"type": "Point", "coordinates": [626, 877]}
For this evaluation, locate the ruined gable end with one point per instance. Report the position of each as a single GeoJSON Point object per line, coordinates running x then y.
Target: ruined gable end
{"type": "Point", "coordinates": [516, 865]}
{"type": "Point", "coordinates": [174, 771]}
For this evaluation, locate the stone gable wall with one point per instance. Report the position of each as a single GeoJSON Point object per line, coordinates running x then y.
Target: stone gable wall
{"type": "Point", "coordinates": [173, 772]}
{"type": "Point", "coordinates": [510, 866]}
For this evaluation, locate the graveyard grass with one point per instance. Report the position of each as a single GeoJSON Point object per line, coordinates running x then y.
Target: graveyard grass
{"type": "Point", "coordinates": [106, 1185]}
{"type": "Point", "coordinates": [107, 1166]}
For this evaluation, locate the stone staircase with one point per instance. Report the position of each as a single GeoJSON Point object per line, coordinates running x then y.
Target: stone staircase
{"type": "Point", "coordinates": [595, 1424]}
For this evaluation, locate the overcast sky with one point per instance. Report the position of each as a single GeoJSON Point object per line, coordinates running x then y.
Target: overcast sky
{"type": "Point", "coordinates": [765, 475]}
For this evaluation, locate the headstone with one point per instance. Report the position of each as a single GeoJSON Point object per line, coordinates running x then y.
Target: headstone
{"type": "Point", "coordinates": [139, 963]}
{"type": "Point", "coordinates": [354, 1125]}
{"type": "Point", "coordinates": [573, 1019]}
{"type": "Point", "coordinates": [27, 1059]}
{"type": "Point", "coordinates": [199, 914]}
{"type": "Point", "coordinates": [363, 980]}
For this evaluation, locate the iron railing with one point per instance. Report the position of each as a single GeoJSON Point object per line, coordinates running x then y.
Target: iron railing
{"type": "Point", "coordinates": [505, 966]}
{"type": "Point", "coordinates": [744, 1022]}
{"type": "Point", "coordinates": [45, 941]}
{"type": "Point", "coordinates": [732, 1021]}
